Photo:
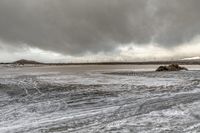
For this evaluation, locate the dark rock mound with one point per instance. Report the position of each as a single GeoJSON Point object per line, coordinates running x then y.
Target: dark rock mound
{"type": "Point", "coordinates": [172, 67]}
{"type": "Point", "coordinates": [23, 62]}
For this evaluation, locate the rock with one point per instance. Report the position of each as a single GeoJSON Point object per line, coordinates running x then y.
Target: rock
{"type": "Point", "coordinates": [172, 67]}
{"type": "Point", "coordinates": [23, 62]}
{"type": "Point", "coordinates": [162, 68]}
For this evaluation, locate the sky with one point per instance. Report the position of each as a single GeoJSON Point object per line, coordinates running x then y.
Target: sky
{"type": "Point", "coordinates": [99, 30]}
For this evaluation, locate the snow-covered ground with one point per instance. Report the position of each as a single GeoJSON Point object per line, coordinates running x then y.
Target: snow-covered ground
{"type": "Point", "coordinates": [89, 99]}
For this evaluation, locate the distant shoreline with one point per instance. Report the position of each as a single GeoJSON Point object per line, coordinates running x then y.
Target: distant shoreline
{"type": "Point", "coordinates": [185, 62]}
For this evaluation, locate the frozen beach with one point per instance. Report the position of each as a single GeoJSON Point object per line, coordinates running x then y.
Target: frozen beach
{"type": "Point", "coordinates": [95, 99]}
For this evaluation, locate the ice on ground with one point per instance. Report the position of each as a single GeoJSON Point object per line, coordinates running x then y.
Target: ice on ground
{"type": "Point", "coordinates": [94, 78]}
{"type": "Point", "coordinates": [59, 101]}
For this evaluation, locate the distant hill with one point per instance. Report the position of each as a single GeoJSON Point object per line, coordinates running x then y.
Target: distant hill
{"type": "Point", "coordinates": [186, 61]}
{"type": "Point", "coordinates": [192, 58]}
{"type": "Point", "coordinates": [24, 62]}
{"type": "Point", "coordinates": [181, 62]}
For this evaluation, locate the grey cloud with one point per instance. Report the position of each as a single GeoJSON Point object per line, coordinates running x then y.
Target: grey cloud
{"type": "Point", "coordinates": [79, 26]}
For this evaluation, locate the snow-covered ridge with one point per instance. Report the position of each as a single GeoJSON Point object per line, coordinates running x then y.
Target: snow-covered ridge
{"type": "Point", "coordinates": [192, 58]}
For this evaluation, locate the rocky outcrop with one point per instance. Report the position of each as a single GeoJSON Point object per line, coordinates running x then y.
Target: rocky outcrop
{"type": "Point", "coordinates": [24, 62]}
{"type": "Point", "coordinates": [172, 67]}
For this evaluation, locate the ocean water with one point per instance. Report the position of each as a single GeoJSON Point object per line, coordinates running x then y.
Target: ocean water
{"type": "Point", "coordinates": [99, 99]}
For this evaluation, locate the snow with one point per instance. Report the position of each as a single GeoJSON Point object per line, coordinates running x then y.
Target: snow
{"type": "Point", "coordinates": [191, 58]}
{"type": "Point", "coordinates": [53, 100]}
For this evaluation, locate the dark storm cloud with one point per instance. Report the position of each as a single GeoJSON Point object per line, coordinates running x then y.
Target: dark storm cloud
{"type": "Point", "coordinates": [79, 26]}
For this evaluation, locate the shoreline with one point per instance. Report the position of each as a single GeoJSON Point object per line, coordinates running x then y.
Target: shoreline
{"type": "Point", "coordinates": [113, 63]}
